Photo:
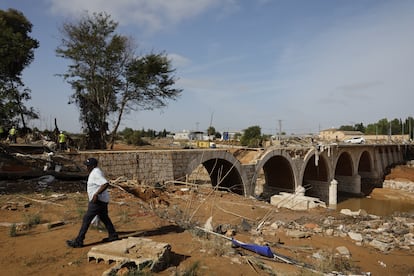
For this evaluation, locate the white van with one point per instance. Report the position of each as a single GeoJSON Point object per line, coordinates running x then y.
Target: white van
{"type": "Point", "coordinates": [355, 140]}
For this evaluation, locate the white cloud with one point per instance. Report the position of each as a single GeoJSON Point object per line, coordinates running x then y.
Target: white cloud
{"type": "Point", "coordinates": [179, 61]}
{"type": "Point", "coordinates": [152, 15]}
{"type": "Point", "coordinates": [356, 68]}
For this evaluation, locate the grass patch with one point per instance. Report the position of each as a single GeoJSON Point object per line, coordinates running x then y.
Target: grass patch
{"type": "Point", "coordinates": [13, 230]}
{"type": "Point", "coordinates": [335, 262]}
{"type": "Point", "coordinates": [81, 203]}
{"type": "Point", "coordinates": [39, 258]}
{"type": "Point", "coordinates": [216, 246]}
{"type": "Point", "coordinates": [32, 219]}
{"type": "Point", "coordinates": [81, 211]}
{"type": "Point", "coordinates": [193, 270]}
{"type": "Point", "coordinates": [77, 262]}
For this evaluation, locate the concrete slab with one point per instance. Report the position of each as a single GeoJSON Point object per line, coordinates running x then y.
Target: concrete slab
{"type": "Point", "coordinates": [143, 252]}
{"type": "Point", "coordinates": [295, 201]}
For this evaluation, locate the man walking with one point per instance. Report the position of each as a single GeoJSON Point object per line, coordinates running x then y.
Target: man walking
{"type": "Point", "coordinates": [98, 204]}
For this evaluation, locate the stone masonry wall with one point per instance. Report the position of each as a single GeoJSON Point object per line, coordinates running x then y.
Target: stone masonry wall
{"type": "Point", "coordinates": [147, 167]}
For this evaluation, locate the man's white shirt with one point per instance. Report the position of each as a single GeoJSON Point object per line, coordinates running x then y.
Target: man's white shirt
{"type": "Point", "coordinates": [96, 179]}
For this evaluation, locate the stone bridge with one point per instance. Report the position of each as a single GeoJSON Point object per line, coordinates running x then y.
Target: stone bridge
{"type": "Point", "coordinates": [323, 171]}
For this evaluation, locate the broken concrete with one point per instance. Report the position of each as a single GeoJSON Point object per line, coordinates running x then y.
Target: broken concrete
{"type": "Point", "coordinates": [296, 201]}
{"type": "Point", "coordinates": [141, 251]}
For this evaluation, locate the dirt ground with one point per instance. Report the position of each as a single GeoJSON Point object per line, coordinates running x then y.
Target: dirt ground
{"type": "Point", "coordinates": [169, 215]}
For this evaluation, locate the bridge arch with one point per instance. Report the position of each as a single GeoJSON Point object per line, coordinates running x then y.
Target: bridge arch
{"type": "Point", "coordinates": [344, 165]}
{"type": "Point", "coordinates": [224, 170]}
{"type": "Point", "coordinates": [366, 169]}
{"type": "Point", "coordinates": [346, 175]}
{"type": "Point", "coordinates": [316, 175]}
{"type": "Point", "coordinates": [279, 174]}
{"type": "Point", "coordinates": [365, 163]}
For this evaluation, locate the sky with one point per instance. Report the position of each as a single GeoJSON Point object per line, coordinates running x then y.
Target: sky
{"type": "Point", "coordinates": [299, 66]}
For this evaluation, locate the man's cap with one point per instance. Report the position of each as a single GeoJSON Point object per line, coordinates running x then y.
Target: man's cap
{"type": "Point", "coordinates": [91, 162]}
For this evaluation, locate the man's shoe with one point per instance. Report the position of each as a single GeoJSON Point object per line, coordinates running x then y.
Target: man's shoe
{"type": "Point", "coordinates": [74, 244]}
{"type": "Point", "coordinates": [110, 239]}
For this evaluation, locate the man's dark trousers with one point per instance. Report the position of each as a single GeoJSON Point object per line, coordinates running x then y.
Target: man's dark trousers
{"type": "Point", "coordinates": [99, 208]}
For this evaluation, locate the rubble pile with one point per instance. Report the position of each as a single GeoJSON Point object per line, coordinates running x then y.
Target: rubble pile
{"type": "Point", "coordinates": [383, 234]}
{"type": "Point", "coordinates": [32, 161]}
{"type": "Point", "coordinates": [406, 186]}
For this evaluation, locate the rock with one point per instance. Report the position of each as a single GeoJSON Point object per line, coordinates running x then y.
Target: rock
{"type": "Point", "coordinates": [297, 234]}
{"type": "Point", "coordinates": [343, 251]}
{"type": "Point", "coordinates": [355, 236]}
{"type": "Point", "coordinates": [382, 246]}
{"type": "Point", "coordinates": [295, 201]}
{"type": "Point", "coordinates": [54, 224]}
{"type": "Point", "coordinates": [245, 226]}
{"type": "Point", "coordinates": [409, 239]}
{"type": "Point", "coordinates": [348, 212]}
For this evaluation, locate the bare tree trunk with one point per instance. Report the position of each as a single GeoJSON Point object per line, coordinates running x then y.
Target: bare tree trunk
{"type": "Point", "coordinates": [118, 122]}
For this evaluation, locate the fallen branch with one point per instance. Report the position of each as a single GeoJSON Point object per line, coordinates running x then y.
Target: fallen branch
{"type": "Point", "coordinates": [41, 201]}
{"type": "Point", "coordinates": [234, 214]}
{"type": "Point", "coordinates": [117, 186]}
{"type": "Point", "coordinates": [181, 182]}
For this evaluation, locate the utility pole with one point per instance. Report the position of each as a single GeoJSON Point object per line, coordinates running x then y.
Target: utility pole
{"type": "Point", "coordinates": [209, 127]}
{"type": "Point", "coordinates": [389, 133]}
{"type": "Point", "coordinates": [280, 129]}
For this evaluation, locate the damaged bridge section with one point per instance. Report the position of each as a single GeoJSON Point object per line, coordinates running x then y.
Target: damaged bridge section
{"type": "Point", "coordinates": [159, 166]}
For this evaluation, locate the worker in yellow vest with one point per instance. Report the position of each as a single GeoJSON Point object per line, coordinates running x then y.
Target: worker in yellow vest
{"type": "Point", "coordinates": [12, 134]}
{"type": "Point", "coordinates": [62, 141]}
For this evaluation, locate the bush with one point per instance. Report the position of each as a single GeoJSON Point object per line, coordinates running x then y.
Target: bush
{"type": "Point", "coordinates": [13, 230]}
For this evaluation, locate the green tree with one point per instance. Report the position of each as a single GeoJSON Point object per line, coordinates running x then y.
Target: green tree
{"type": "Point", "coordinates": [251, 137]}
{"type": "Point", "coordinates": [108, 79]}
{"type": "Point", "coordinates": [356, 127]}
{"type": "Point", "coordinates": [360, 127]}
{"type": "Point", "coordinates": [396, 126]}
{"type": "Point", "coordinates": [346, 128]}
{"type": "Point", "coordinates": [371, 129]}
{"type": "Point", "coordinates": [163, 133]}
{"type": "Point", "coordinates": [383, 126]}
{"type": "Point", "coordinates": [16, 53]}
{"type": "Point", "coordinates": [408, 126]}
{"type": "Point", "coordinates": [211, 131]}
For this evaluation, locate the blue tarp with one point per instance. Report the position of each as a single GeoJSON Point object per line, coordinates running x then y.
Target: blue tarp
{"type": "Point", "coordinates": [259, 249]}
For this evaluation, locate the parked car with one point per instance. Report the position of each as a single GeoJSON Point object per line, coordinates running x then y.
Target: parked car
{"type": "Point", "coordinates": [355, 140]}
